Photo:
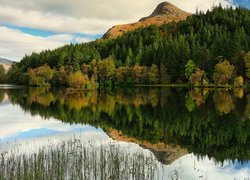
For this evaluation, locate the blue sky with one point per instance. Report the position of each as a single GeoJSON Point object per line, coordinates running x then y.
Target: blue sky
{"type": "Point", "coordinates": [31, 26]}
{"type": "Point", "coordinates": [245, 3]}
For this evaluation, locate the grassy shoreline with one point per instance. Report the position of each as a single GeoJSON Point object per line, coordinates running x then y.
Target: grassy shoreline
{"type": "Point", "coordinates": [74, 160]}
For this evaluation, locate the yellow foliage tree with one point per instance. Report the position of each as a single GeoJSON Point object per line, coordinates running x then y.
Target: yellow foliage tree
{"type": "Point", "coordinates": [77, 80]}
{"type": "Point", "coordinates": [223, 72]}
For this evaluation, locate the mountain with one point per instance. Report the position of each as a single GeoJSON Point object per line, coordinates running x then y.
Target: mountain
{"type": "Point", "coordinates": [6, 63]}
{"type": "Point", "coordinates": [154, 54]}
{"type": "Point", "coordinates": [164, 13]}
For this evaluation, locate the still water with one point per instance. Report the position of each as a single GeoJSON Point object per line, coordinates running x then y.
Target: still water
{"type": "Point", "coordinates": [191, 134]}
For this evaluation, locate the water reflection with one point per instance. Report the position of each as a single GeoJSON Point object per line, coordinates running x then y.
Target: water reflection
{"type": "Point", "coordinates": [169, 122]}
{"type": "Point", "coordinates": [223, 102]}
{"type": "Point", "coordinates": [1, 96]}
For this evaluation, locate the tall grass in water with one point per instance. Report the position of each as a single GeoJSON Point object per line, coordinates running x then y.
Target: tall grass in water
{"type": "Point", "coordinates": [74, 160]}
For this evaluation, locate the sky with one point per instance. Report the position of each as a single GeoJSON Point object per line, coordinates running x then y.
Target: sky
{"type": "Point", "coordinates": [28, 26]}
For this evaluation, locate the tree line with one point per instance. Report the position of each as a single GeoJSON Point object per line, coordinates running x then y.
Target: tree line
{"type": "Point", "coordinates": [206, 38]}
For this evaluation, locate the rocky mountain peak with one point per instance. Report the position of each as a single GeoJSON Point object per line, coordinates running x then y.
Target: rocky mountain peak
{"type": "Point", "coordinates": [166, 8]}
{"type": "Point", "coordinates": [165, 12]}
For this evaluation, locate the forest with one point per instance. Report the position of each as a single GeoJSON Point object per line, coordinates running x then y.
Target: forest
{"type": "Point", "coordinates": [208, 48]}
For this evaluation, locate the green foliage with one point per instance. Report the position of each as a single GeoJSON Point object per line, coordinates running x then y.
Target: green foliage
{"type": "Point", "coordinates": [189, 68]}
{"type": "Point", "coordinates": [190, 104]}
{"type": "Point", "coordinates": [223, 72]}
{"type": "Point", "coordinates": [40, 76]}
{"type": "Point", "coordinates": [247, 64]}
{"type": "Point", "coordinates": [164, 75]}
{"type": "Point", "coordinates": [60, 77]}
{"type": "Point", "coordinates": [2, 74]}
{"type": "Point", "coordinates": [106, 71]}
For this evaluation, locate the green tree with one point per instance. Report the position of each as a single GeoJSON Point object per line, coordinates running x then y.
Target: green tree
{"type": "Point", "coordinates": [247, 64]}
{"type": "Point", "coordinates": [129, 60]}
{"type": "Point", "coordinates": [40, 76]}
{"type": "Point", "coordinates": [2, 73]}
{"type": "Point", "coordinates": [106, 71]}
{"type": "Point", "coordinates": [189, 68]}
{"type": "Point", "coordinates": [164, 76]}
{"type": "Point", "coordinates": [45, 72]}
{"type": "Point", "coordinates": [60, 77]}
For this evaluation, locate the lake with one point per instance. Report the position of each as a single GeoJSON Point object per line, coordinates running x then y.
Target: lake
{"type": "Point", "coordinates": [165, 133]}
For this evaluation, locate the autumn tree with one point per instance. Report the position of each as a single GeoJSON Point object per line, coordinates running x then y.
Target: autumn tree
{"type": "Point", "coordinates": [34, 80]}
{"type": "Point", "coordinates": [137, 74]}
{"type": "Point", "coordinates": [223, 101]}
{"type": "Point", "coordinates": [223, 72]}
{"type": "Point", "coordinates": [77, 80]}
{"type": "Point", "coordinates": [85, 69]}
{"type": "Point", "coordinates": [238, 81]}
{"type": "Point", "coordinates": [123, 76]}
{"type": "Point", "coordinates": [40, 76]}
{"type": "Point", "coordinates": [196, 78]}
{"type": "Point", "coordinates": [45, 72]}
{"type": "Point", "coordinates": [153, 74]}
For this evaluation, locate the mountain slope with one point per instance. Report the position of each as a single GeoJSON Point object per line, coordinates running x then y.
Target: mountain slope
{"type": "Point", "coordinates": [164, 13]}
{"type": "Point", "coordinates": [6, 63]}
{"type": "Point", "coordinates": [205, 38]}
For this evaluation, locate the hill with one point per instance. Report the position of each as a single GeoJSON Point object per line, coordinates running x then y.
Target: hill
{"type": "Point", "coordinates": [164, 13]}
{"type": "Point", "coordinates": [6, 63]}
{"type": "Point", "coordinates": [153, 54]}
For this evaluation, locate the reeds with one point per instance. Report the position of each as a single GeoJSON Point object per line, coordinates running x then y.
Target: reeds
{"type": "Point", "coordinates": [74, 160]}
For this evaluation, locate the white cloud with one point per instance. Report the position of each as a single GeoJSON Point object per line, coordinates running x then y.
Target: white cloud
{"type": "Point", "coordinates": [14, 44]}
{"type": "Point", "coordinates": [193, 167]}
{"type": "Point", "coordinates": [66, 17]}
{"type": "Point", "coordinates": [86, 16]}
{"type": "Point", "coordinates": [15, 121]}
{"type": "Point", "coordinates": [191, 6]}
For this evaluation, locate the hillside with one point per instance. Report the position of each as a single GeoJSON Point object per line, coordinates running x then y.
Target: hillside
{"type": "Point", "coordinates": [153, 54]}
{"type": "Point", "coordinates": [6, 63]}
{"type": "Point", "coordinates": [164, 13]}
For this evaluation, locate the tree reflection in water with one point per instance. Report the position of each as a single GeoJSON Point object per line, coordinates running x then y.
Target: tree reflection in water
{"type": "Point", "coordinates": [205, 122]}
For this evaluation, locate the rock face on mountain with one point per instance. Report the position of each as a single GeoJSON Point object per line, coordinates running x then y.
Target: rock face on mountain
{"type": "Point", "coordinates": [164, 153]}
{"type": "Point", "coordinates": [164, 13]}
{"type": "Point", "coordinates": [6, 63]}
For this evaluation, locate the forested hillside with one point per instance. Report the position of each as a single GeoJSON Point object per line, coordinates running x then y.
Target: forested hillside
{"type": "Point", "coordinates": [207, 40]}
